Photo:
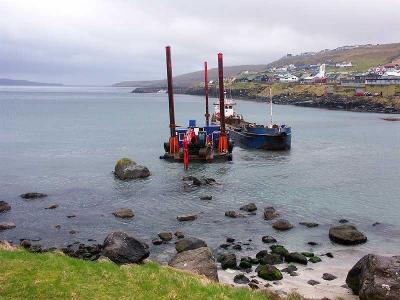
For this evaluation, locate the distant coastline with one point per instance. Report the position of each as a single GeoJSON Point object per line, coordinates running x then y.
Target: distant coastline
{"type": "Point", "coordinates": [332, 102]}
{"type": "Point", "coordinates": [18, 82]}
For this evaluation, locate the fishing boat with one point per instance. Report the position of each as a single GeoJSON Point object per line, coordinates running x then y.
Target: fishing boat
{"type": "Point", "coordinates": [256, 136]}
{"type": "Point", "coordinates": [207, 143]}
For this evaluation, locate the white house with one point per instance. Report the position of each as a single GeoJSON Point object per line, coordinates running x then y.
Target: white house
{"type": "Point", "coordinates": [344, 65]}
{"type": "Point", "coordinates": [288, 78]}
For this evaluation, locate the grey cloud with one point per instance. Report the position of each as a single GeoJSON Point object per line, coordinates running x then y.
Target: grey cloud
{"type": "Point", "coordinates": [101, 42]}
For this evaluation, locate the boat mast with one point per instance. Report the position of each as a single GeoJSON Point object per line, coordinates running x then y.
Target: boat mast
{"type": "Point", "coordinates": [270, 99]}
{"type": "Point", "coordinates": [223, 139]}
{"type": "Point", "coordinates": [207, 115]}
{"type": "Point", "coordinates": [173, 140]}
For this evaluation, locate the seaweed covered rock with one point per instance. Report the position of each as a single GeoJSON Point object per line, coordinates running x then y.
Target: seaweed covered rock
{"type": "Point", "coordinates": [296, 258]}
{"type": "Point", "coordinates": [126, 169]}
{"type": "Point", "coordinates": [279, 249]}
{"type": "Point", "coordinates": [269, 272]}
{"type": "Point", "coordinates": [199, 261]}
{"type": "Point", "coordinates": [314, 259]}
{"type": "Point", "coordinates": [123, 249]}
{"type": "Point", "coordinates": [346, 235]}
{"type": "Point", "coordinates": [375, 277]}
{"type": "Point", "coordinates": [271, 259]}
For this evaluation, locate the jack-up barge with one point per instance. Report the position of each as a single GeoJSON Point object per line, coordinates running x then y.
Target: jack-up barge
{"type": "Point", "coordinates": [208, 143]}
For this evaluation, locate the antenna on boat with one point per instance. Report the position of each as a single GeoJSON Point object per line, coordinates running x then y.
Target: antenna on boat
{"type": "Point", "coordinates": [270, 99]}
{"type": "Point", "coordinates": [207, 115]}
{"type": "Point", "coordinates": [173, 140]}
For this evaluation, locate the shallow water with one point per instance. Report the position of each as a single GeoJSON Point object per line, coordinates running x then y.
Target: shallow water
{"type": "Point", "coordinates": [64, 141]}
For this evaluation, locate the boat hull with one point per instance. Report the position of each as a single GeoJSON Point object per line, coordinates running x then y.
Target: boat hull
{"type": "Point", "coordinates": [277, 142]}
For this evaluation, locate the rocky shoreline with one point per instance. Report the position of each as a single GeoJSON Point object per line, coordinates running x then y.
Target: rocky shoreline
{"type": "Point", "coordinates": [332, 102]}
{"type": "Point", "coordinates": [269, 268]}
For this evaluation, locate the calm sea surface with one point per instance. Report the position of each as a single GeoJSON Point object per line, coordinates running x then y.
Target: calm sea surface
{"type": "Point", "coordinates": [64, 141]}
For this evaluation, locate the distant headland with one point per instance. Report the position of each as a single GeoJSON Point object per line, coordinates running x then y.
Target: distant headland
{"type": "Point", "coordinates": [16, 82]}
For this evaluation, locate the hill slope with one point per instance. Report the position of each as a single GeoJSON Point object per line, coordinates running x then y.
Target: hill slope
{"type": "Point", "coordinates": [362, 57]}
{"type": "Point", "coordinates": [52, 276]}
{"type": "Point", "coordinates": [191, 79]}
{"type": "Point", "coordinates": [14, 82]}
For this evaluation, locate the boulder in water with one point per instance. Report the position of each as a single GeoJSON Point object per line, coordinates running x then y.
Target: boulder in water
{"type": "Point", "coordinates": [375, 277]}
{"type": "Point", "coordinates": [233, 214]}
{"type": "Point", "coordinates": [124, 213]}
{"type": "Point", "coordinates": [328, 277]}
{"type": "Point", "coordinates": [123, 249]}
{"type": "Point", "coordinates": [249, 207]}
{"type": "Point", "coordinates": [188, 217]}
{"type": "Point", "coordinates": [346, 235]}
{"type": "Point", "coordinates": [296, 258]}
{"type": "Point", "coordinates": [227, 260]}
{"type": "Point", "coordinates": [269, 273]}
{"type": "Point", "coordinates": [279, 249]}
{"type": "Point", "coordinates": [7, 225]}
{"type": "Point", "coordinates": [4, 206]}
{"type": "Point", "coordinates": [282, 225]}
{"type": "Point", "coordinates": [33, 195]}
{"type": "Point", "coordinates": [270, 213]}
{"type": "Point", "coordinates": [189, 243]}
{"type": "Point", "coordinates": [165, 236]}
{"type": "Point", "coordinates": [268, 239]}
{"type": "Point", "coordinates": [199, 261]}
{"type": "Point", "coordinates": [126, 169]}
{"type": "Point", "coordinates": [309, 224]}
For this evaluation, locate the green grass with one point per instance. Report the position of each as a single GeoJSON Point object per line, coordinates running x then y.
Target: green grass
{"type": "Point", "coordinates": [25, 275]}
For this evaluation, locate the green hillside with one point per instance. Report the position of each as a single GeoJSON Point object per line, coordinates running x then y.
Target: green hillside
{"type": "Point", "coordinates": [362, 57]}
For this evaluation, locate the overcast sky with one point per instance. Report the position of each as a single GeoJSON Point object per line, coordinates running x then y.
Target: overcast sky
{"type": "Point", "coordinates": [101, 42]}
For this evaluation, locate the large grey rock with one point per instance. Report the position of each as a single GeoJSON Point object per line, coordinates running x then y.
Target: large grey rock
{"type": "Point", "coordinates": [199, 261]}
{"type": "Point", "coordinates": [4, 206]}
{"type": "Point", "coordinates": [124, 213]}
{"type": "Point", "coordinates": [375, 277]}
{"type": "Point", "coordinates": [189, 243]}
{"type": "Point", "coordinates": [282, 225]}
{"type": "Point", "coordinates": [126, 169]}
{"type": "Point", "coordinates": [123, 249]}
{"type": "Point", "coordinates": [7, 225]}
{"type": "Point", "coordinates": [346, 235]}
{"type": "Point", "coordinates": [270, 213]}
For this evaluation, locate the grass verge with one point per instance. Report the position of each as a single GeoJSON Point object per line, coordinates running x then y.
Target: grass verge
{"type": "Point", "coordinates": [25, 275]}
